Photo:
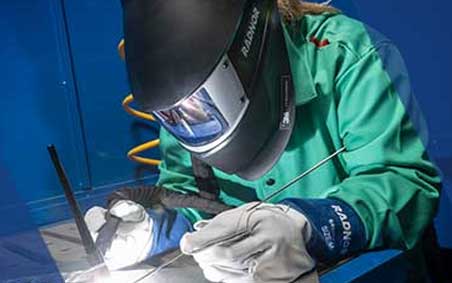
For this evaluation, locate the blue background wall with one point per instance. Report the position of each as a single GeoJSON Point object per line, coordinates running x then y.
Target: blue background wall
{"type": "Point", "coordinates": [62, 82]}
{"type": "Point", "coordinates": [423, 32]}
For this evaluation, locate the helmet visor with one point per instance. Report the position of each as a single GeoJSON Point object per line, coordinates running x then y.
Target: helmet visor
{"type": "Point", "coordinates": [195, 121]}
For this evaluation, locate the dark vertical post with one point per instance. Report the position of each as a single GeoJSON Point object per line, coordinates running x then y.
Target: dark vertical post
{"type": "Point", "coordinates": [94, 256]}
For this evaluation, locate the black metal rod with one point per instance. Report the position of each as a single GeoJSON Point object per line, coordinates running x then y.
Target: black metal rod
{"type": "Point", "coordinates": [106, 234]}
{"type": "Point", "coordinates": [94, 256]}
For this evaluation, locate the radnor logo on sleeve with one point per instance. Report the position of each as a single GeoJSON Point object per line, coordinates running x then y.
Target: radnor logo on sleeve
{"type": "Point", "coordinates": [249, 36]}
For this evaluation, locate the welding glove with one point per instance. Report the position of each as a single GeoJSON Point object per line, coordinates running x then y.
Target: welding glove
{"type": "Point", "coordinates": [264, 244]}
{"type": "Point", "coordinates": [275, 243]}
{"type": "Point", "coordinates": [133, 238]}
{"type": "Point", "coordinates": [141, 233]}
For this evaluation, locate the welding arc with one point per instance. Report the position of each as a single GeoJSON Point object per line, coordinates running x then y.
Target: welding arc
{"type": "Point", "coordinates": [94, 256]}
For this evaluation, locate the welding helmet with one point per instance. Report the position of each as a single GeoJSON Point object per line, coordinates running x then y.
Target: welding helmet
{"type": "Point", "coordinates": [216, 75]}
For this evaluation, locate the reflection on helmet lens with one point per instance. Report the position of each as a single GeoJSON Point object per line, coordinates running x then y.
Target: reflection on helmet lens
{"type": "Point", "coordinates": [196, 121]}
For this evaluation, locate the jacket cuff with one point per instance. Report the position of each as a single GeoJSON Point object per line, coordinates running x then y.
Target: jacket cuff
{"type": "Point", "coordinates": [168, 228]}
{"type": "Point", "coordinates": [337, 230]}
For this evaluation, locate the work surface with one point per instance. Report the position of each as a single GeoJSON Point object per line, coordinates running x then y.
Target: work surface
{"type": "Point", "coordinates": [65, 246]}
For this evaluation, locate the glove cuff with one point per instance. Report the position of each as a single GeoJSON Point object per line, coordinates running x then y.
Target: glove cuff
{"type": "Point", "coordinates": [337, 230]}
{"type": "Point", "coordinates": [168, 228]}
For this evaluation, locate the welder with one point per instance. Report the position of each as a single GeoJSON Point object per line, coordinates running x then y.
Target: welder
{"type": "Point", "coordinates": [259, 91]}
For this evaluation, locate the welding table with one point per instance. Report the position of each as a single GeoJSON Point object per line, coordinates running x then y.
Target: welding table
{"type": "Point", "coordinates": [65, 246]}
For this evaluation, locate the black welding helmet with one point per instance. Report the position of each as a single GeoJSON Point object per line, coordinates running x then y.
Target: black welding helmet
{"type": "Point", "coordinates": [215, 74]}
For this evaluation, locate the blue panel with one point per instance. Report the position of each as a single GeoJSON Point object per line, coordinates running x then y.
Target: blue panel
{"type": "Point", "coordinates": [369, 264]}
{"type": "Point", "coordinates": [443, 221]}
{"type": "Point", "coordinates": [389, 266]}
{"type": "Point", "coordinates": [23, 253]}
{"type": "Point", "coordinates": [38, 103]}
{"type": "Point", "coordinates": [95, 29]}
{"type": "Point", "coordinates": [422, 32]}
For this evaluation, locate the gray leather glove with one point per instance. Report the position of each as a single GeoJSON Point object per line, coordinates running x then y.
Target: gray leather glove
{"type": "Point", "coordinates": [266, 244]}
{"type": "Point", "coordinates": [133, 239]}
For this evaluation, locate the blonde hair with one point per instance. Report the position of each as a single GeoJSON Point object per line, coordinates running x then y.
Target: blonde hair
{"type": "Point", "coordinates": [295, 9]}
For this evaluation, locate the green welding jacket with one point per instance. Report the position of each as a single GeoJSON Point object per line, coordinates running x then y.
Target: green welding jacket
{"type": "Point", "coordinates": [352, 90]}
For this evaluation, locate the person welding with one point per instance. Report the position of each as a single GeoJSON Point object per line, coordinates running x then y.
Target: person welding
{"type": "Point", "coordinates": [259, 91]}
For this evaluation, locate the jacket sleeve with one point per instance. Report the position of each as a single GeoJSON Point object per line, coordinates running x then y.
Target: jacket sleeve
{"type": "Point", "coordinates": [176, 172]}
{"type": "Point", "coordinates": [392, 184]}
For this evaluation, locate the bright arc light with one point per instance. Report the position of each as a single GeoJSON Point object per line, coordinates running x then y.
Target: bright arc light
{"type": "Point", "coordinates": [123, 276]}
{"type": "Point", "coordinates": [111, 279]}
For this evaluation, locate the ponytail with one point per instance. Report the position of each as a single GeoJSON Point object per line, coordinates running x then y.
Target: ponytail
{"type": "Point", "coordinates": [295, 9]}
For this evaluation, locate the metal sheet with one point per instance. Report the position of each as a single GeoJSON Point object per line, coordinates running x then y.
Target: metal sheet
{"type": "Point", "coordinates": [65, 247]}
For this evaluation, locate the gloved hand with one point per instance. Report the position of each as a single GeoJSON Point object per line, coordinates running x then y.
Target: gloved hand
{"type": "Point", "coordinates": [133, 238]}
{"type": "Point", "coordinates": [265, 244]}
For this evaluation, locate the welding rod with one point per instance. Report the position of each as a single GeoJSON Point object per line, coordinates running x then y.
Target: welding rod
{"type": "Point", "coordinates": [94, 256]}
{"type": "Point", "coordinates": [298, 178]}
{"type": "Point", "coordinates": [280, 190]}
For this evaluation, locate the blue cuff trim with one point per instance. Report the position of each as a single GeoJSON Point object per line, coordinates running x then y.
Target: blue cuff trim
{"type": "Point", "coordinates": [168, 229]}
{"type": "Point", "coordinates": [337, 230]}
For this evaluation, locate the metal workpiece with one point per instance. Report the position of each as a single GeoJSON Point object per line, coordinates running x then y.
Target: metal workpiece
{"type": "Point", "coordinates": [65, 247]}
{"type": "Point", "coordinates": [71, 259]}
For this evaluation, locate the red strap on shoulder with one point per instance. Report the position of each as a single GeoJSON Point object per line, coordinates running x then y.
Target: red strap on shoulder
{"type": "Point", "coordinates": [320, 43]}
